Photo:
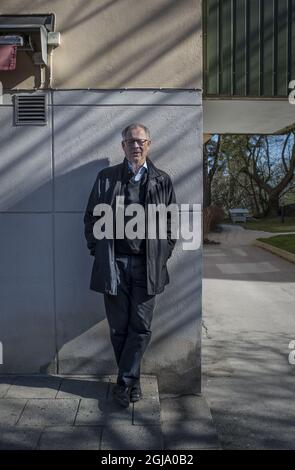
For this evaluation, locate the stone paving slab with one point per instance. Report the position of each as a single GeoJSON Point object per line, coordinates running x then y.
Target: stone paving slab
{"type": "Point", "coordinates": [80, 413]}
{"type": "Point", "coordinates": [5, 384]}
{"type": "Point", "coordinates": [147, 411]}
{"type": "Point", "coordinates": [187, 423]}
{"type": "Point", "coordinates": [70, 438]}
{"type": "Point", "coordinates": [94, 412]}
{"type": "Point", "coordinates": [91, 413]}
{"type": "Point", "coordinates": [149, 385]}
{"type": "Point", "coordinates": [34, 387]}
{"type": "Point", "coordinates": [116, 414]}
{"type": "Point", "coordinates": [189, 435]}
{"type": "Point", "coordinates": [44, 412]}
{"type": "Point", "coordinates": [129, 437]}
{"type": "Point", "coordinates": [82, 387]}
{"type": "Point", "coordinates": [184, 408]}
{"type": "Point", "coordinates": [18, 438]}
{"type": "Point", "coordinates": [11, 410]}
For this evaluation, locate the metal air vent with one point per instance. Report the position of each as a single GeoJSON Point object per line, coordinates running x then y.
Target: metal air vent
{"type": "Point", "coordinates": [30, 110]}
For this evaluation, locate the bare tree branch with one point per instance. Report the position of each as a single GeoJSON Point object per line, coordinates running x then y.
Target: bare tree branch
{"type": "Point", "coordinates": [283, 153]}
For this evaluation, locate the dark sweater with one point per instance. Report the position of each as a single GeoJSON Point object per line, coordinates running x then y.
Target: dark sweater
{"type": "Point", "coordinates": [134, 193]}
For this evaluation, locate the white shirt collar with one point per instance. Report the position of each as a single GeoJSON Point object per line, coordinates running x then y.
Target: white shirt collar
{"type": "Point", "coordinates": [140, 172]}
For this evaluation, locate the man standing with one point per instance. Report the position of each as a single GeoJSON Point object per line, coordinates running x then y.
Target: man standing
{"type": "Point", "coordinates": [129, 271]}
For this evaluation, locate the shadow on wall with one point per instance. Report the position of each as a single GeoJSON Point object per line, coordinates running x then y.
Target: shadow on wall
{"type": "Point", "coordinates": [45, 277]}
{"type": "Point", "coordinates": [45, 272]}
{"type": "Point", "coordinates": [48, 310]}
{"type": "Point", "coordinates": [49, 316]}
{"type": "Point", "coordinates": [148, 42]}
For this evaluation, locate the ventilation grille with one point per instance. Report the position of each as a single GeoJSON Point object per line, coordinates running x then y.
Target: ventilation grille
{"type": "Point", "coordinates": [30, 110]}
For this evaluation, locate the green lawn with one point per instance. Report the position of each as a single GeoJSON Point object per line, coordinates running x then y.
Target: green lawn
{"type": "Point", "coordinates": [273, 225]}
{"type": "Point", "coordinates": [285, 242]}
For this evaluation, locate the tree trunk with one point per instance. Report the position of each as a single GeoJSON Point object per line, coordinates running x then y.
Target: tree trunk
{"type": "Point", "coordinates": [209, 193]}
{"type": "Point", "coordinates": [273, 206]}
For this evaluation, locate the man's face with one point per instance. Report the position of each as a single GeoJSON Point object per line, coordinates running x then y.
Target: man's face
{"type": "Point", "coordinates": [136, 146]}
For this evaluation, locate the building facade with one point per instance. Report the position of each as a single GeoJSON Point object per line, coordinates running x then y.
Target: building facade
{"type": "Point", "coordinates": [117, 61]}
{"type": "Point", "coordinates": [83, 71]}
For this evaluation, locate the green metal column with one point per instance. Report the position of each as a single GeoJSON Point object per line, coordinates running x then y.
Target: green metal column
{"type": "Point", "coordinates": [249, 47]}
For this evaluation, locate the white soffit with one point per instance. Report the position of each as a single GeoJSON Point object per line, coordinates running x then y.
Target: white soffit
{"type": "Point", "coordinates": [247, 116]}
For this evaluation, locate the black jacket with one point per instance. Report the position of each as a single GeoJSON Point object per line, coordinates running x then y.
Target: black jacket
{"type": "Point", "coordinates": [108, 185]}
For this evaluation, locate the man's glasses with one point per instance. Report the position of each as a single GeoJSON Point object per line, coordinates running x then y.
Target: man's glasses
{"type": "Point", "coordinates": [140, 142]}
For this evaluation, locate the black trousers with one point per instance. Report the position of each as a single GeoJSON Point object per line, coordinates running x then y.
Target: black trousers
{"type": "Point", "coordinates": [129, 314]}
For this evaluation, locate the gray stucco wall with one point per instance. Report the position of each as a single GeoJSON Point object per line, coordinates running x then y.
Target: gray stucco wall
{"type": "Point", "coordinates": [50, 321]}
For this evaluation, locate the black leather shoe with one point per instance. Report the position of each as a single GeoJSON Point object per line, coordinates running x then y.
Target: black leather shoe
{"type": "Point", "coordinates": [121, 395]}
{"type": "Point", "coordinates": [135, 393]}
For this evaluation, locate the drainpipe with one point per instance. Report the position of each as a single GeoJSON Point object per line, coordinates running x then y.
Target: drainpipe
{"type": "Point", "coordinates": [50, 66]}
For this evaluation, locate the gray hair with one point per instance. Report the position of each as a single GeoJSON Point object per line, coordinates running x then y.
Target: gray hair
{"type": "Point", "coordinates": [135, 125]}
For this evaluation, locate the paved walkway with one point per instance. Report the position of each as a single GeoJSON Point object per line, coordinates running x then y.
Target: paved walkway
{"type": "Point", "coordinates": [78, 412]}
{"type": "Point", "coordinates": [249, 321]}
{"type": "Point", "coordinates": [235, 235]}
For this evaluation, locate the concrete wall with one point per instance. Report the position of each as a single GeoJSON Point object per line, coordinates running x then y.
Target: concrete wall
{"type": "Point", "coordinates": [50, 321]}
{"type": "Point", "coordinates": [117, 44]}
